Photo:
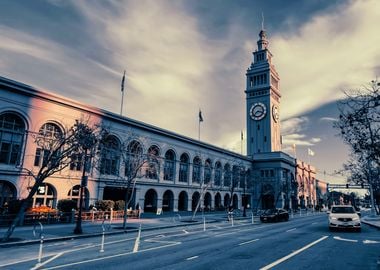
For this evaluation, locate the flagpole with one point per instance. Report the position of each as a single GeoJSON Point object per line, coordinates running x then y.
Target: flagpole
{"type": "Point", "coordinates": [199, 130]}
{"type": "Point", "coordinates": [122, 94]}
{"type": "Point", "coordinates": [200, 119]}
{"type": "Point", "coordinates": [122, 99]}
{"type": "Point", "coordinates": [241, 143]}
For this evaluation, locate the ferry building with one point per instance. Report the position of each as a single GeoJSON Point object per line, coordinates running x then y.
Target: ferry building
{"type": "Point", "coordinates": [266, 177]}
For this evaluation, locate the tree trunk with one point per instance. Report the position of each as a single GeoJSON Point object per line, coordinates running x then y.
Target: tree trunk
{"type": "Point", "coordinates": [126, 202]}
{"type": "Point", "coordinates": [20, 213]}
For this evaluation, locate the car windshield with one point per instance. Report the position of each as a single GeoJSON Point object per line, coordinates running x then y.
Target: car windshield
{"type": "Point", "coordinates": [343, 210]}
{"type": "Point", "coordinates": [270, 211]}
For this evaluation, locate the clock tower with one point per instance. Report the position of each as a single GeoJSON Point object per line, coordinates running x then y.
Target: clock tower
{"type": "Point", "coordinates": [263, 101]}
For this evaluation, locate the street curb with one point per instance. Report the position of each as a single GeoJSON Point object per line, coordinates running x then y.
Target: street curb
{"type": "Point", "coordinates": [69, 237]}
{"type": "Point", "coordinates": [371, 224]}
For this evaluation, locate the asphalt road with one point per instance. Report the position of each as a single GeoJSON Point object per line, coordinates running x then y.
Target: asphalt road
{"type": "Point", "coordinates": [301, 243]}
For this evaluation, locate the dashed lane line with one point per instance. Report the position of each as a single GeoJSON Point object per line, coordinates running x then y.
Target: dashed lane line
{"type": "Point", "coordinates": [345, 239]}
{"type": "Point", "coordinates": [191, 258]}
{"type": "Point", "coordinates": [248, 242]}
{"type": "Point", "coordinates": [291, 230]}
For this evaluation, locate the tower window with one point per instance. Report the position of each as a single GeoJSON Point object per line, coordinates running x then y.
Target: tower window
{"type": "Point", "coordinates": [265, 138]}
{"type": "Point", "coordinates": [250, 82]}
{"type": "Point", "coordinates": [258, 127]}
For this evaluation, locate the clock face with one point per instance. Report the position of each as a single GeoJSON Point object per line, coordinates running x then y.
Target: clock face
{"type": "Point", "coordinates": [275, 113]}
{"type": "Point", "coordinates": [258, 111]}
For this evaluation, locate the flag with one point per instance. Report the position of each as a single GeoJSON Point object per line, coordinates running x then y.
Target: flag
{"type": "Point", "coordinates": [242, 135]}
{"type": "Point", "coordinates": [122, 82]}
{"type": "Point", "coordinates": [200, 116]}
{"type": "Point", "coordinates": [310, 152]}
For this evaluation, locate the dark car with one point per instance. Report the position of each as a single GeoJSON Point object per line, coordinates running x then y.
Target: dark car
{"type": "Point", "coordinates": [274, 215]}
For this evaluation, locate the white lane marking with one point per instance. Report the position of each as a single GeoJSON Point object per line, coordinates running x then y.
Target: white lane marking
{"type": "Point", "coordinates": [269, 266]}
{"type": "Point", "coordinates": [192, 258]}
{"type": "Point", "coordinates": [291, 230]}
{"type": "Point", "coordinates": [314, 223]}
{"type": "Point", "coordinates": [251, 241]}
{"type": "Point", "coordinates": [345, 239]}
{"type": "Point", "coordinates": [185, 231]}
{"type": "Point", "coordinates": [39, 265]}
{"type": "Point", "coordinates": [113, 256]}
{"type": "Point", "coordinates": [223, 234]}
{"type": "Point", "coordinates": [370, 242]}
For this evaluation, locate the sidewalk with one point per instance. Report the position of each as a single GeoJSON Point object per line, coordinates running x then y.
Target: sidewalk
{"type": "Point", "coordinates": [372, 221]}
{"type": "Point", "coordinates": [59, 232]}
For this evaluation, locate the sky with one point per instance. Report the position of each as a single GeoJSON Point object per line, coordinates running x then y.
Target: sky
{"type": "Point", "coordinates": [182, 56]}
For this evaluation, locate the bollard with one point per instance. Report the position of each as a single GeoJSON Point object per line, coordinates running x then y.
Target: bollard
{"type": "Point", "coordinates": [232, 220]}
{"type": "Point", "coordinates": [204, 224]}
{"type": "Point", "coordinates": [92, 215]}
{"type": "Point", "coordinates": [41, 241]}
{"type": "Point", "coordinates": [137, 242]}
{"type": "Point", "coordinates": [253, 221]}
{"type": "Point", "coordinates": [111, 214]}
{"type": "Point", "coordinates": [102, 243]}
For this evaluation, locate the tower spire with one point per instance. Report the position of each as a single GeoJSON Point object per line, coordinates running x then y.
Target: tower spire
{"type": "Point", "coordinates": [262, 21]}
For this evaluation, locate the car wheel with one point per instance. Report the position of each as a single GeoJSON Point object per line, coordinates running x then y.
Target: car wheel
{"type": "Point", "coordinates": [358, 229]}
{"type": "Point", "coordinates": [331, 229]}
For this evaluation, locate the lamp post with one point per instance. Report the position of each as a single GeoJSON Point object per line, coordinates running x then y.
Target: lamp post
{"type": "Point", "coordinates": [244, 196]}
{"type": "Point", "coordinates": [78, 227]}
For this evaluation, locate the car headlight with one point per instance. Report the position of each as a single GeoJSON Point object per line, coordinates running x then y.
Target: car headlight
{"type": "Point", "coordinates": [333, 218]}
{"type": "Point", "coordinates": [355, 219]}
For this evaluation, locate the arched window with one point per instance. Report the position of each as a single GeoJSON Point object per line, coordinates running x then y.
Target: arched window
{"type": "Point", "coordinates": [169, 166]}
{"type": "Point", "coordinates": [218, 174]}
{"type": "Point", "coordinates": [74, 194]}
{"type": "Point", "coordinates": [196, 170]}
{"type": "Point", "coordinates": [133, 159]}
{"type": "Point", "coordinates": [12, 131]}
{"type": "Point", "coordinates": [184, 168]}
{"type": "Point", "coordinates": [242, 178]}
{"type": "Point", "coordinates": [235, 176]}
{"type": "Point", "coordinates": [48, 132]}
{"type": "Point", "coordinates": [151, 171]}
{"type": "Point", "coordinates": [227, 175]}
{"type": "Point", "coordinates": [249, 179]}
{"type": "Point", "coordinates": [110, 156]}
{"type": "Point", "coordinates": [7, 193]}
{"type": "Point", "coordinates": [45, 195]}
{"type": "Point", "coordinates": [207, 172]}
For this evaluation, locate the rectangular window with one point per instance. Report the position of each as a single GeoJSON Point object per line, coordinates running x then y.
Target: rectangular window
{"type": "Point", "coordinates": [37, 158]}
{"type": "Point", "coordinates": [4, 152]}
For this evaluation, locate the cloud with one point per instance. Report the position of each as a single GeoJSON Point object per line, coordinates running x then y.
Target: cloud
{"type": "Point", "coordinates": [328, 119]}
{"type": "Point", "coordinates": [174, 67]}
{"type": "Point", "coordinates": [331, 52]}
{"type": "Point", "coordinates": [293, 131]}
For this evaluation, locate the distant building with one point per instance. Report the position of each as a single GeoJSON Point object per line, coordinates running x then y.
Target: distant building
{"type": "Point", "coordinates": [265, 178]}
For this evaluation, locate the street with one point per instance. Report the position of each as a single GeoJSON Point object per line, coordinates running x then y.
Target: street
{"type": "Point", "coordinates": [301, 243]}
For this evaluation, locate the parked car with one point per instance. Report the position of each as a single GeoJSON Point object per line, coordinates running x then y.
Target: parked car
{"type": "Point", "coordinates": [344, 217]}
{"type": "Point", "coordinates": [274, 215]}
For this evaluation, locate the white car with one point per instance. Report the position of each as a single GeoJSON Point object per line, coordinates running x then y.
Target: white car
{"type": "Point", "coordinates": [344, 217]}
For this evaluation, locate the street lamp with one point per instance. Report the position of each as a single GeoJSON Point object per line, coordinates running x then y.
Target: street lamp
{"type": "Point", "coordinates": [87, 140]}
{"type": "Point", "coordinates": [244, 195]}
{"type": "Point", "coordinates": [78, 227]}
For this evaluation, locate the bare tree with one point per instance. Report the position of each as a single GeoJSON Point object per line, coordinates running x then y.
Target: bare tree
{"type": "Point", "coordinates": [359, 125]}
{"type": "Point", "coordinates": [205, 182]}
{"type": "Point", "coordinates": [136, 163]}
{"type": "Point", "coordinates": [56, 151]}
